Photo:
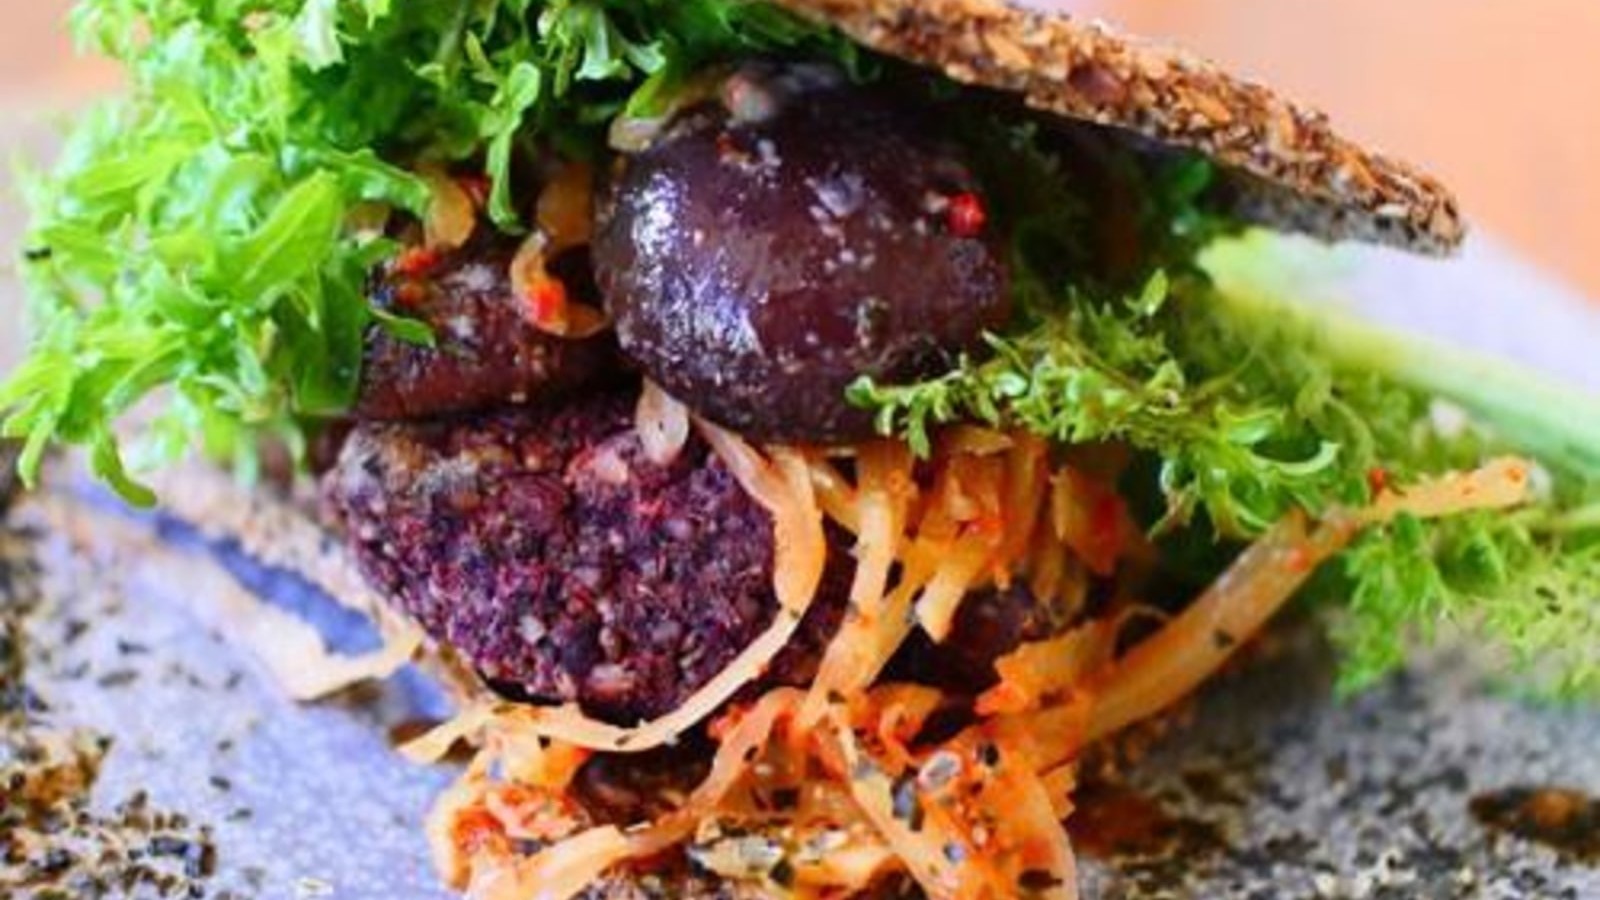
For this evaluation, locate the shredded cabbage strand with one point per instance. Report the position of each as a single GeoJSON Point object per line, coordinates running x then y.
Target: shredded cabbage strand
{"type": "Point", "coordinates": [974, 817]}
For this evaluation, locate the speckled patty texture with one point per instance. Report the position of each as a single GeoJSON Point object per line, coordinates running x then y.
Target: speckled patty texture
{"type": "Point", "coordinates": [1287, 167]}
{"type": "Point", "coordinates": [555, 558]}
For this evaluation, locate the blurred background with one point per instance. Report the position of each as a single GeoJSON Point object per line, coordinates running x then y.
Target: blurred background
{"type": "Point", "coordinates": [1497, 97]}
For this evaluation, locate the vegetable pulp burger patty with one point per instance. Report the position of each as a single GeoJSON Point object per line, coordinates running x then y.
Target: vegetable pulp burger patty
{"type": "Point", "coordinates": [946, 373]}
{"type": "Point", "coordinates": [563, 564]}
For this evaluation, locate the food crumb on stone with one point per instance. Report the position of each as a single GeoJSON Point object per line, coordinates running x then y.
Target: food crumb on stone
{"type": "Point", "coordinates": [57, 840]}
{"type": "Point", "coordinates": [307, 886]}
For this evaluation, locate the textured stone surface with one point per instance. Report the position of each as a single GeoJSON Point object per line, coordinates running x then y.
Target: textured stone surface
{"type": "Point", "coordinates": [1312, 798]}
{"type": "Point", "coordinates": [299, 797]}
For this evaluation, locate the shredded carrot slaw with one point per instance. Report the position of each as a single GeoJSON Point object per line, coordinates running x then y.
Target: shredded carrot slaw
{"type": "Point", "coordinates": [566, 220]}
{"type": "Point", "coordinates": [974, 816]}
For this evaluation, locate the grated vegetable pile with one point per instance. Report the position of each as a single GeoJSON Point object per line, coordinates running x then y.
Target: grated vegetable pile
{"type": "Point", "coordinates": [1160, 421]}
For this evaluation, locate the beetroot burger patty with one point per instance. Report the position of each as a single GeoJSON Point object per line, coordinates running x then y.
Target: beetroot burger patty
{"type": "Point", "coordinates": [543, 546]}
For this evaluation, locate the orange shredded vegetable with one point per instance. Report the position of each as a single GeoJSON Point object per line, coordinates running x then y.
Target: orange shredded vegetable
{"type": "Point", "coordinates": [1166, 667]}
{"type": "Point", "coordinates": [1053, 735]}
{"type": "Point", "coordinates": [461, 834]}
{"type": "Point", "coordinates": [560, 873]}
{"type": "Point", "coordinates": [451, 216]}
{"type": "Point", "coordinates": [1033, 837]}
{"type": "Point", "coordinates": [565, 218]}
{"type": "Point", "coordinates": [978, 816]}
{"type": "Point", "coordinates": [974, 526]}
{"type": "Point", "coordinates": [882, 499]}
{"type": "Point", "coordinates": [568, 867]}
{"type": "Point", "coordinates": [1194, 645]}
{"type": "Point", "coordinates": [545, 302]}
{"type": "Point", "coordinates": [1501, 484]}
{"type": "Point", "coordinates": [566, 206]}
{"type": "Point", "coordinates": [1037, 673]}
{"type": "Point", "coordinates": [1061, 783]}
{"type": "Point", "coordinates": [1091, 519]}
{"type": "Point", "coordinates": [836, 496]}
{"type": "Point", "coordinates": [1024, 500]}
{"type": "Point", "coordinates": [956, 574]}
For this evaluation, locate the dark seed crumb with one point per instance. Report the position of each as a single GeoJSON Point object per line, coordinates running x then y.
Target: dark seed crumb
{"type": "Point", "coordinates": [907, 806]}
{"type": "Point", "coordinates": [1565, 820]}
{"type": "Point", "coordinates": [118, 678]}
{"type": "Point", "coordinates": [1038, 880]}
{"type": "Point", "coordinates": [53, 843]}
{"type": "Point", "coordinates": [782, 874]}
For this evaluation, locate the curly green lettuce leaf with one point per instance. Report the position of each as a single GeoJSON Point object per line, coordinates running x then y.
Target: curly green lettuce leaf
{"type": "Point", "coordinates": [190, 265]}
{"type": "Point", "coordinates": [1239, 435]}
{"type": "Point", "coordinates": [1526, 586]}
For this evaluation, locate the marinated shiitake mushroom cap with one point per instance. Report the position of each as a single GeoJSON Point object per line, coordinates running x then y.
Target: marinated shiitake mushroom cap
{"type": "Point", "coordinates": [772, 246]}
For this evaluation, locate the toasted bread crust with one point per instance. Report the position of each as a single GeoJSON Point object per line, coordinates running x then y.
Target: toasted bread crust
{"type": "Point", "coordinates": [1288, 168]}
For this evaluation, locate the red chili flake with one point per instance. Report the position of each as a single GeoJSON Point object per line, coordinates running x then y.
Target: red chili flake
{"type": "Point", "coordinates": [1105, 532]}
{"type": "Point", "coordinates": [547, 303]}
{"type": "Point", "coordinates": [478, 188]}
{"type": "Point", "coordinates": [966, 216]}
{"type": "Point", "coordinates": [477, 830]}
{"type": "Point", "coordinates": [990, 524]}
{"type": "Point", "coordinates": [1378, 480]}
{"type": "Point", "coordinates": [414, 262]}
{"type": "Point", "coordinates": [729, 151]}
{"type": "Point", "coordinates": [410, 294]}
{"type": "Point", "coordinates": [1298, 559]}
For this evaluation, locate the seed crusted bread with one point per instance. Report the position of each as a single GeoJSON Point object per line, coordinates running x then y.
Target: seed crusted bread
{"type": "Point", "coordinates": [1286, 166]}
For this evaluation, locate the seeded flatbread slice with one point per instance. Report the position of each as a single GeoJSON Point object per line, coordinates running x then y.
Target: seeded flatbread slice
{"type": "Point", "coordinates": [1286, 166]}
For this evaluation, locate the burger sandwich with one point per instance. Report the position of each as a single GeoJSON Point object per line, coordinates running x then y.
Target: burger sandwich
{"type": "Point", "coordinates": [798, 430]}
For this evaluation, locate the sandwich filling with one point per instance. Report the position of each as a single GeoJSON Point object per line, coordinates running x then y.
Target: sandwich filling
{"type": "Point", "coordinates": [812, 457]}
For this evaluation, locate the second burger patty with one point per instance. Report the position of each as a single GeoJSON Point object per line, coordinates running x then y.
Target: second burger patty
{"type": "Point", "coordinates": [565, 566]}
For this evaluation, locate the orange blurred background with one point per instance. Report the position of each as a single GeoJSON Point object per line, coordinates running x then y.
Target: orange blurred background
{"type": "Point", "coordinates": [1500, 98]}
{"type": "Point", "coordinates": [1497, 97]}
